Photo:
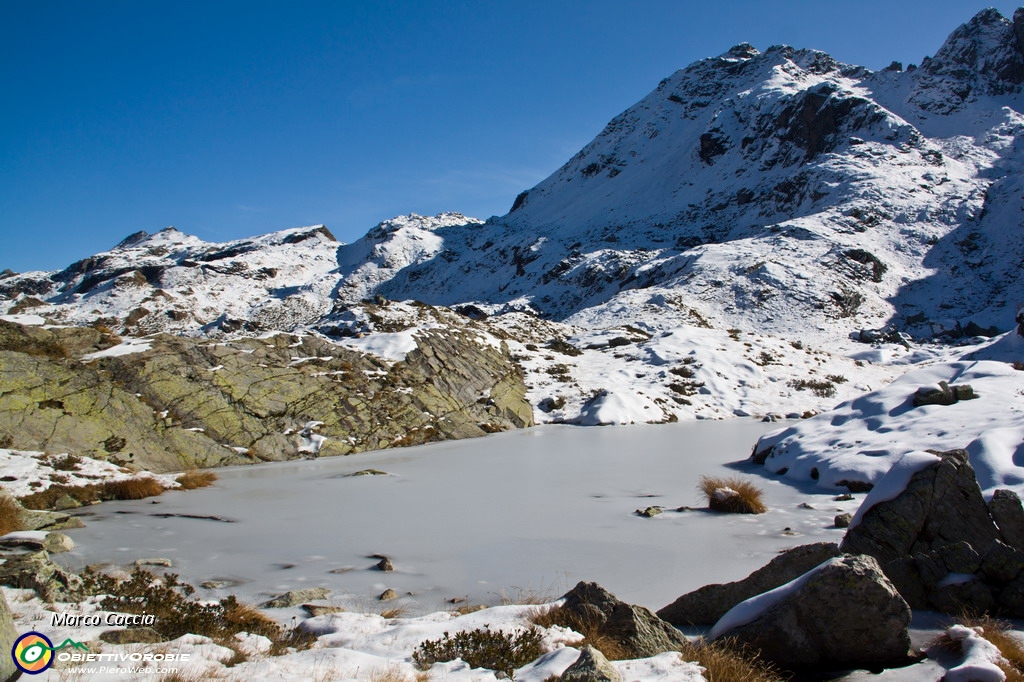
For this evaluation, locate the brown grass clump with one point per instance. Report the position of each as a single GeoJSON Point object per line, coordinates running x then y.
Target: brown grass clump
{"type": "Point", "coordinates": [190, 480]}
{"type": "Point", "coordinates": [724, 661]}
{"type": "Point", "coordinates": [129, 489]}
{"type": "Point", "coordinates": [133, 488]}
{"type": "Point", "coordinates": [997, 632]}
{"type": "Point", "coordinates": [733, 495]}
{"type": "Point", "coordinates": [10, 516]}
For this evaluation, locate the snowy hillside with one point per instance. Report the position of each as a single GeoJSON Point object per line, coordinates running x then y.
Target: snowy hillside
{"type": "Point", "coordinates": [721, 241]}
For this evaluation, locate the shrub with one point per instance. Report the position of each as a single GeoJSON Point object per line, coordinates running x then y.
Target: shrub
{"type": "Point", "coordinates": [733, 495]}
{"type": "Point", "coordinates": [822, 389]}
{"type": "Point", "coordinates": [10, 516]}
{"type": "Point", "coordinates": [836, 378]}
{"type": "Point", "coordinates": [65, 463]}
{"type": "Point", "coordinates": [190, 480]}
{"type": "Point", "coordinates": [564, 347]}
{"type": "Point", "coordinates": [482, 648]}
{"type": "Point", "coordinates": [175, 614]}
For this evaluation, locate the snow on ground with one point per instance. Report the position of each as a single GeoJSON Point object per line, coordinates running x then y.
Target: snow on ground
{"type": "Point", "coordinates": [686, 372]}
{"type": "Point", "coordinates": [862, 438]}
{"type": "Point", "coordinates": [126, 347]}
{"type": "Point", "coordinates": [31, 472]}
{"type": "Point", "coordinates": [350, 646]}
{"type": "Point", "coordinates": [27, 320]}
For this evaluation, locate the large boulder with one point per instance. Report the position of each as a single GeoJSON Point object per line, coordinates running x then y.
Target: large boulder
{"type": "Point", "coordinates": [636, 629]}
{"type": "Point", "coordinates": [940, 543]}
{"type": "Point", "coordinates": [842, 614]}
{"type": "Point", "coordinates": [706, 605]}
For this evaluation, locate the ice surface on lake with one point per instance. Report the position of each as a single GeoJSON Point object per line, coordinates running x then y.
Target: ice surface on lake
{"type": "Point", "coordinates": [534, 510]}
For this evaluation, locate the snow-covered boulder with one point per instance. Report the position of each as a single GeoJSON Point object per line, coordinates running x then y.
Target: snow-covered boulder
{"type": "Point", "coordinates": [928, 525]}
{"type": "Point", "coordinates": [842, 614]}
{"type": "Point", "coordinates": [707, 604]}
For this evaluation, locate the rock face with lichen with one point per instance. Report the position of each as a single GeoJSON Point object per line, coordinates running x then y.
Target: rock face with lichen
{"type": "Point", "coordinates": [187, 401]}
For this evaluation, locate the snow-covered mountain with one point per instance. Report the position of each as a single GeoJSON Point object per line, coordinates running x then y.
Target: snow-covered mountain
{"type": "Point", "coordinates": [753, 203]}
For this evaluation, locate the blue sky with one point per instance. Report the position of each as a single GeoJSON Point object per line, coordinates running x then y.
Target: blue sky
{"type": "Point", "coordinates": [230, 119]}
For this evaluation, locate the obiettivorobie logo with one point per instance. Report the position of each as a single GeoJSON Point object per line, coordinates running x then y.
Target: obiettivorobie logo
{"type": "Point", "coordinates": [33, 652]}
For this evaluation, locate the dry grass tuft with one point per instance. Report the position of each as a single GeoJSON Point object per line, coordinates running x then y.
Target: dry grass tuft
{"type": "Point", "coordinates": [129, 489]}
{"type": "Point", "coordinates": [996, 632]}
{"type": "Point", "coordinates": [588, 627]}
{"type": "Point", "coordinates": [190, 480]}
{"type": "Point", "coordinates": [396, 612]}
{"type": "Point", "coordinates": [10, 516]}
{"type": "Point", "coordinates": [725, 661]}
{"type": "Point", "coordinates": [133, 488]}
{"type": "Point", "coordinates": [392, 673]}
{"type": "Point", "coordinates": [733, 495]}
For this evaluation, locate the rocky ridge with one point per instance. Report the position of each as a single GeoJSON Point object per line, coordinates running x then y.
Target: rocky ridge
{"type": "Point", "coordinates": [175, 402]}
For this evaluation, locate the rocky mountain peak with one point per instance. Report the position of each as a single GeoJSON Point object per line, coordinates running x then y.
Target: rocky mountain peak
{"type": "Point", "coordinates": [986, 50]}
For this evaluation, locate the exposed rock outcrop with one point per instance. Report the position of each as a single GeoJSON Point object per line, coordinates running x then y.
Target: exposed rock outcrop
{"type": "Point", "coordinates": [941, 545]}
{"type": "Point", "coordinates": [591, 666]}
{"type": "Point", "coordinates": [842, 614]}
{"type": "Point", "coordinates": [35, 571]}
{"type": "Point", "coordinates": [296, 598]}
{"type": "Point", "coordinates": [707, 604]}
{"type": "Point", "coordinates": [188, 402]}
{"type": "Point", "coordinates": [638, 631]}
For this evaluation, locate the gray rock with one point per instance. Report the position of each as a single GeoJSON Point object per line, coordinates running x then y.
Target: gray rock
{"type": "Point", "coordinates": [35, 571]}
{"type": "Point", "coordinates": [321, 609]}
{"type": "Point", "coordinates": [7, 636]}
{"type": "Point", "coordinates": [1002, 563]}
{"type": "Point", "coordinates": [141, 635]}
{"type": "Point", "coordinates": [960, 557]}
{"type": "Point", "coordinates": [649, 512]}
{"type": "Point", "coordinates": [1008, 513]}
{"type": "Point", "coordinates": [296, 597]}
{"type": "Point", "coordinates": [57, 543]}
{"type": "Point", "coordinates": [387, 595]}
{"type": "Point", "coordinates": [709, 603]}
{"type": "Point", "coordinates": [635, 628]}
{"type": "Point", "coordinates": [385, 564]}
{"type": "Point", "coordinates": [65, 502]}
{"type": "Point", "coordinates": [843, 520]}
{"type": "Point", "coordinates": [163, 562]}
{"type": "Point", "coordinates": [973, 596]}
{"type": "Point", "coordinates": [846, 614]}
{"type": "Point", "coordinates": [591, 666]}
{"type": "Point", "coordinates": [367, 472]}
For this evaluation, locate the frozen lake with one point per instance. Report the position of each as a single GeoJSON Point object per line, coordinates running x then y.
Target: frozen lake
{"type": "Point", "coordinates": [527, 511]}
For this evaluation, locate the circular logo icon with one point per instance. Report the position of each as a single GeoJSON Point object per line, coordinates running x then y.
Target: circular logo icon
{"type": "Point", "coordinates": [32, 653]}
